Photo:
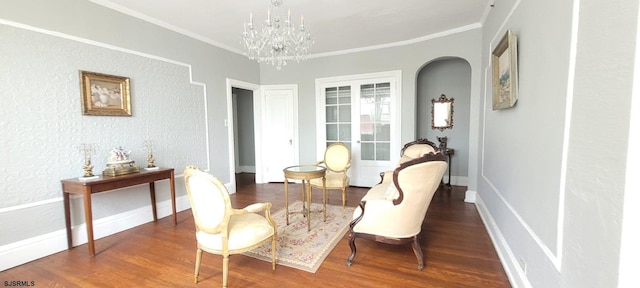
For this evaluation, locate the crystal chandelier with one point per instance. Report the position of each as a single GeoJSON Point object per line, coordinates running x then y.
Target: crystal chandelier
{"type": "Point", "coordinates": [278, 40]}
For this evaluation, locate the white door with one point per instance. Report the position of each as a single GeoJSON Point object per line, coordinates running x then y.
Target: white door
{"type": "Point", "coordinates": [363, 112]}
{"type": "Point", "coordinates": [279, 133]}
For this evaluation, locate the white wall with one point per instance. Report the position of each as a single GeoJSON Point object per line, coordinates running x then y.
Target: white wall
{"type": "Point", "coordinates": [553, 167]}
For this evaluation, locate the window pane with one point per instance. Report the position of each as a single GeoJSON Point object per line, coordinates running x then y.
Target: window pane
{"type": "Point", "coordinates": [345, 132]}
{"type": "Point", "coordinates": [366, 131]}
{"type": "Point", "coordinates": [367, 151]}
{"type": "Point", "coordinates": [344, 94]}
{"type": "Point", "coordinates": [332, 132]}
{"type": "Point", "coordinates": [345, 113]}
{"type": "Point", "coordinates": [383, 132]}
{"type": "Point", "coordinates": [382, 151]}
{"type": "Point", "coordinates": [332, 114]}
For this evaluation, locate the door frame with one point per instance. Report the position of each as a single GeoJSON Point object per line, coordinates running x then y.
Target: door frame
{"type": "Point", "coordinates": [229, 122]}
{"type": "Point", "coordinates": [258, 113]}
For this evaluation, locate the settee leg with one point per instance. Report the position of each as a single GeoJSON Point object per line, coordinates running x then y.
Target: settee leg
{"type": "Point", "coordinates": [418, 251]}
{"type": "Point", "coordinates": [352, 244]}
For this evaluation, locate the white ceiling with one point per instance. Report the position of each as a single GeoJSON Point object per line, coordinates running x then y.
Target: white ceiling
{"type": "Point", "coordinates": [337, 26]}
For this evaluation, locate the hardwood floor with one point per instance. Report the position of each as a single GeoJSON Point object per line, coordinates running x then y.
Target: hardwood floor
{"type": "Point", "coordinates": [457, 248]}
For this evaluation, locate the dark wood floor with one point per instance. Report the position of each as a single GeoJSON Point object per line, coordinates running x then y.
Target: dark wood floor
{"type": "Point", "coordinates": [456, 245]}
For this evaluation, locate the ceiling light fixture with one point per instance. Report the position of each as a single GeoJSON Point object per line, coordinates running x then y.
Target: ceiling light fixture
{"type": "Point", "coordinates": [279, 40]}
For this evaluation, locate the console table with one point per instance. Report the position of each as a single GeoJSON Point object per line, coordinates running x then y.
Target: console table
{"type": "Point", "coordinates": [106, 183]}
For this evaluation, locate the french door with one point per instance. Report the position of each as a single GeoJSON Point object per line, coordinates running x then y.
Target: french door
{"type": "Point", "coordinates": [361, 111]}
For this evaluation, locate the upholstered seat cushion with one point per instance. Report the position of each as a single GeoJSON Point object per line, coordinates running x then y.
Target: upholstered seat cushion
{"type": "Point", "coordinates": [244, 231]}
{"type": "Point", "coordinates": [332, 180]}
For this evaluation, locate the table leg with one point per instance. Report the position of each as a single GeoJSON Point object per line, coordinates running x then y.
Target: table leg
{"type": "Point", "coordinates": [67, 217]}
{"type": "Point", "coordinates": [286, 198]}
{"type": "Point", "coordinates": [88, 219]}
{"type": "Point", "coordinates": [152, 192]}
{"type": "Point", "coordinates": [324, 199]}
{"type": "Point", "coordinates": [172, 182]}
{"type": "Point", "coordinates": [449, 168]}
{"type": "Point", "coordinates": [308, 188]}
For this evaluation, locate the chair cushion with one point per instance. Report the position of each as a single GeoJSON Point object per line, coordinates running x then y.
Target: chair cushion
{"type": "Point", "coordinates": [244, 232]}
{"type": "Point", "coordinates": [333, 181]}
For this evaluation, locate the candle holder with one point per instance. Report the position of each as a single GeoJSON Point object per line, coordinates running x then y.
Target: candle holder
{"type": "Point", "coordinates": [148, 146]}
{"type": "Point", "coordinates": [88, 149]}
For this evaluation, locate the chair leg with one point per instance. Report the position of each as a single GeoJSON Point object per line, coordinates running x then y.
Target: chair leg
{"type": "Point", "coordinates": [225, 270]}
{"type": "Point", "coordinates": [352, 244]}
{"type": "Point", "coordinates": [418, 251]}
{"type": "Point", "coordinates": [273, 252]}
{"type": "Point", "coordinates": [344, 197]}
{"type": "Point", "coordinates": [198, 259]}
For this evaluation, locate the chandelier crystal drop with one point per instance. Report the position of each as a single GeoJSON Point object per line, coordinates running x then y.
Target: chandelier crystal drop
{"type": "Point", "coordinates": [278, 40]}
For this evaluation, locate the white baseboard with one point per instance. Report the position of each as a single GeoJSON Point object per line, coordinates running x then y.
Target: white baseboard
{"type": "Point", "coordinates": [470, 196]}
{"type": "Point", "coordinates": [516, 275]}
{"type": "Point", "coordinates": [27, 250]}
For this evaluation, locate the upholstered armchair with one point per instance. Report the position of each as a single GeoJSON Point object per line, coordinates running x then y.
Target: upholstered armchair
{"type": "Point", "coordinates": [410, 151]}
{"type": "Point", "coordinates": [337, 160]}
{"type": "Point", "coordinates": [222, 230]}
{"type": "Point", "coordinates": [393, 212]}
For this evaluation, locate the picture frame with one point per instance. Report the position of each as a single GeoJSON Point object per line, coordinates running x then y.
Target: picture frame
{"type": "Point", "coordinates": [105, 95]}
{"type": "Point", "coordinates": [504, 62]}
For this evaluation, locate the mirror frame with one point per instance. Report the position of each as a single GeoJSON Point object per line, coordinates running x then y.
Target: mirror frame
{"type": "Point", "coordinates": [442, 100]}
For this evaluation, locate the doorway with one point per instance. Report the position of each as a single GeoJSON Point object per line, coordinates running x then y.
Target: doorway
{"type": "Point", "coordinates": [262, 97]}
{"type": "Point", "coordinates": [244, 136]}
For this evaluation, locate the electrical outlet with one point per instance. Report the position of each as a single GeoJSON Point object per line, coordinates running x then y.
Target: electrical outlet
{"type": "Point", "coordinates": [523, 265]}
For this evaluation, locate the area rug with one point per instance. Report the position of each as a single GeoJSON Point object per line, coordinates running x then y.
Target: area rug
{"type": "Point", "coordinates": [302, 249]}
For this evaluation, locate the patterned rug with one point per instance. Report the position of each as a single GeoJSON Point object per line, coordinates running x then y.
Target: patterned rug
{"type": "Point", "coordinates": [297, 248]}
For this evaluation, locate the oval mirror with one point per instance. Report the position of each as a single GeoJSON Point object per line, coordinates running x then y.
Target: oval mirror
{"type": "Point", "coordinates": [442, 113]}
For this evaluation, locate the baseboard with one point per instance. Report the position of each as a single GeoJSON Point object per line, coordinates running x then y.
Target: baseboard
{"type": "Point", "coordinates": [27, 250]}
{"type": "Point", "coordinates": [246, 169]}
{"type": "Point", "coordinates": [516, 275]}
{"type": "Point", "coordinates": [470, 196]}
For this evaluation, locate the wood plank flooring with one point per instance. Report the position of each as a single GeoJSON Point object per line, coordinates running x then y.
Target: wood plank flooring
{"type": "Point", "coordinates": [458, 252]}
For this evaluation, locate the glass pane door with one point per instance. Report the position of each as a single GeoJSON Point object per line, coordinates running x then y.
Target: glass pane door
{"type": "Point", "coordinates": [375, 122]}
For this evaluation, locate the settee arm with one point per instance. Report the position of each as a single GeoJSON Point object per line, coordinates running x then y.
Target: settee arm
{"type": "Point", "coordinates": [386, 177]}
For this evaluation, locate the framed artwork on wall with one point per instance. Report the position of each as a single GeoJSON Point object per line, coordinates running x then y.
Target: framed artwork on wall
{"type": "Point", "coordinates": [105, 95]}
{"type": "Point", "coordinates": [504, 63]}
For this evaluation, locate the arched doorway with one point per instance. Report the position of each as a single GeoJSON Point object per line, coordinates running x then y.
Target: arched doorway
{"type": "Point", "coordinates": [452, 77]}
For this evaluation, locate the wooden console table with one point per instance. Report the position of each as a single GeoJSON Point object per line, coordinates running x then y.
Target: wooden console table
{"type": "Point", "coordinates": [106, 183]}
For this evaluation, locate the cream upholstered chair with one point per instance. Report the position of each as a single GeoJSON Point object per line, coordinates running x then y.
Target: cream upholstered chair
{"type": "Point", "coordinates": [393, 212]}
{"type": "Point", "coordinates": [411, 150]}
{"type": "Point", "coordinates": [222, 230]}
{"type": "Point", "coordinates": [337, 160]}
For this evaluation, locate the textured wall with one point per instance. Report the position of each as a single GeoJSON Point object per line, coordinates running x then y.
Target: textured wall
{"type": "Point", "coordinates": [41, 123]}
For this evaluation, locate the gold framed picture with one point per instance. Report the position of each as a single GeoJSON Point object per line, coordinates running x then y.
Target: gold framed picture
{"type": "Point", "coordinates": [504, 62]}
{"type": "Point", "coordinates": [105, 95]}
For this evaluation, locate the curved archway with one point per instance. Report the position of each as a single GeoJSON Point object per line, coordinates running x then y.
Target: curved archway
{"type": "Point", "coordinates": [450, 76]}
